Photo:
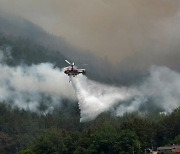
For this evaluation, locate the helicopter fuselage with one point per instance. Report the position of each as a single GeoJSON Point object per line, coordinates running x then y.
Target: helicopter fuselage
{"type": "Point", "coordinates": [72, 71]}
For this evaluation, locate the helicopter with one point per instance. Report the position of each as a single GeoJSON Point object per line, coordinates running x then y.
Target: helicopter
{"type": "Point", "coordinates": [72, 70]}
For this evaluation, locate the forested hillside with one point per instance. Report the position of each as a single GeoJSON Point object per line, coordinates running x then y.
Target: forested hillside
{"type": "Point", "coordinates": [24, 51]}
{"type": "Point", "coordinates": [23, 131]}
{"type": "Point", "coordinates": [31, 44]}
{"type": "Point", "coordinates": [61, 132]}
{"type": "Point", "coordinates": [33, 41]}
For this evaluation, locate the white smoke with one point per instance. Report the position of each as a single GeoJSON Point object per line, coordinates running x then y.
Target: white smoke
{"type": "Point", "coordinates": [26, 86]}
{"type": "Point", "coordinates": [160, 89]}
{"type": "Point", "coordinates": [95, 98]}
{"type": "Point", "coordinates": [163, 87]}
{"type": "Point", "coordinates": [29, 86]}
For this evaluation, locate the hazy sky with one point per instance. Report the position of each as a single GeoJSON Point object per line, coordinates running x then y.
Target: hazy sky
{"type": "Point", "coordinates": [115, 29]}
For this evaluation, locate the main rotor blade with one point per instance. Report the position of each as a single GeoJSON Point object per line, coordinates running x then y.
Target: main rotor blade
{"type": "Point", "coordinates": [67, 62]}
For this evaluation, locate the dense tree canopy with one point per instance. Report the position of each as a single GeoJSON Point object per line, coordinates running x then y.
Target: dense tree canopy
{"type": "Point", "coordinates": [26, 132]}
{"type": "Point", "coordinates": [61, 132]}
{"type": "Point", "coordinates": [30, 132]}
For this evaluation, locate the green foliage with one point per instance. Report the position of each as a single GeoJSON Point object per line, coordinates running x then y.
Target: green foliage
{"type": "Point", "coordinates": [177, 140]}
{"type": "Point", "coordinates": [168, 128]}
{"type": "Point", "coordinates": [27, 151]}
{"type": "Point", "coordinates": [61, 132]}
{"type": "Point", "coordinates": [144, 129]}
{"type": "Point", "coordinates": [54, 141]}
{"type": "Point", "coordinates": [127, 142]}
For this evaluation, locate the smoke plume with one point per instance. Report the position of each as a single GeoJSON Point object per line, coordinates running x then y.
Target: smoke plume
{"type": "Point", "coordinates": [113, 29]}
{"type": "Point", "coordinates": [95, 98]}
{"type": "Point", "coordinates": [29, 86]}
{"type": "Point", "coordinates": [160, 90]}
